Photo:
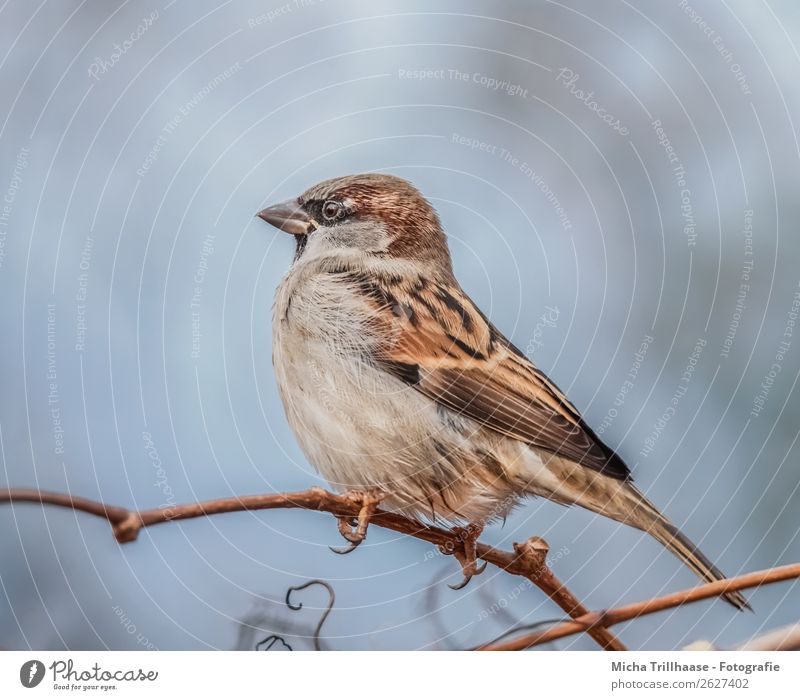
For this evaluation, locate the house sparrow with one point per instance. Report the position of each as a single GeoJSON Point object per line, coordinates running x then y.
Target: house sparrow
{"type": "Point", "coordinates": [399, 389]}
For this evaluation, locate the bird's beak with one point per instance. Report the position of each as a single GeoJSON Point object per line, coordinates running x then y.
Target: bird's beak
{"type": "Point", "coordinates": [288, 216]}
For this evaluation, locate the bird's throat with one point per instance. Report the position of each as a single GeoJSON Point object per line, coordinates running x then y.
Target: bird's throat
{"type": "Point", "coordinates": [301, 246]}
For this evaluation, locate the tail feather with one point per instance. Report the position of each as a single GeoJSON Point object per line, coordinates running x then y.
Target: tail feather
{"type": "Point", "coordinates": [682, 547]}
{"type": "Point", "coordinates": [648, 518]}
{"type": "Point", "coordinates": [620, 500]}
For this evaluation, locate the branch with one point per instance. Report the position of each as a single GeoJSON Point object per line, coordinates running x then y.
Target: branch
{"type": "Point", "coordinates": [607, 618]}
{"type": "Point", "coordinates": [528, 559]}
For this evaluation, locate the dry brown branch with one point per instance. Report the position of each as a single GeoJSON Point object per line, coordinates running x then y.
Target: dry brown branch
{"type": "Point", "coordinates": [528, 559]}
{"type": "Point", "coordinates": [607, 618]}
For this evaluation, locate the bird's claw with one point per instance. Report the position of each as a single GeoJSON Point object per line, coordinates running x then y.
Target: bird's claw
{"type": "Point", "coordinates": [354, 530]}
{"type": "Point", "coordinates": [347, 526]}
{"type": "Point", "coordinates": [463, 547]}
{"type": "Point", "coordinates": [469, 570]}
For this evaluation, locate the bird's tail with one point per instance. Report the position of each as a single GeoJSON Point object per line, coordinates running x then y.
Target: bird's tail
{"type": "Point", "coordinates": [643, 515]}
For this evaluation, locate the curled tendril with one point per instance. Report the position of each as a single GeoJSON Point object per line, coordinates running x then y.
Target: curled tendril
{"type": "Point", "coordinates": [268, 642]}
{"type": "Point", "coordinates": [331, 601]}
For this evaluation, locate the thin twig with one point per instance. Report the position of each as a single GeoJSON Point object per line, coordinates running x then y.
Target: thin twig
{"type": "Point", "coordinates": [528, 559]}
{"type": "Point", "coordinates": [268, 643]}
{"type": "Point", "coordinates": [607, 618]}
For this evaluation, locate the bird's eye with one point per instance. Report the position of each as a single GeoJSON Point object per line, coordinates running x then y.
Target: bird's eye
{"type": "Point", "coordinates": [332, 210]}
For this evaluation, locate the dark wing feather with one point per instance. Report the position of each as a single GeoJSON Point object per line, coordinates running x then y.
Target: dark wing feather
{"type": "Point", "coordinates": [440, 343]}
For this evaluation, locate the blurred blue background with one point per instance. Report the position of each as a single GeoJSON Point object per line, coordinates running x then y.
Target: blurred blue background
{"type": "Point", "coordinates": [619, 182]}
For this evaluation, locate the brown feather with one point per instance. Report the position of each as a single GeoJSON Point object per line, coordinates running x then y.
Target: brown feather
{"type": "Point", "coordinates": [451, 353]}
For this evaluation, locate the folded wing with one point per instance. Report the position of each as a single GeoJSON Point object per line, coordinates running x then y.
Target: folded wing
{"type": "Point", "coordinates": [439, 342]}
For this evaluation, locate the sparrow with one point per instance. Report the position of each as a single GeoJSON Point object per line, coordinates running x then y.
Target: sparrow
{"type": "Point", "coordinates": [402, 392]}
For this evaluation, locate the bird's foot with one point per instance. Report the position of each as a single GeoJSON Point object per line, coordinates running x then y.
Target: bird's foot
{"type": "Point", "coordinates": [354, 529]}
{"type": "Point", "coordinates": [463, 547]}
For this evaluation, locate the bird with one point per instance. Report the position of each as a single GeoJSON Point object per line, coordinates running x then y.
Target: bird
{"type": "Point", "coordinates": [403, 394]}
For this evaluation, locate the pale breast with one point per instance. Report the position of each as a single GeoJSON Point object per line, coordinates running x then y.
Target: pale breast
{"type": "Point", "coordinates": [349, 417]}
{"type": "Point", "coordinates": [347, 422]}
{"type": "Point", "coordinates": [362, 427]}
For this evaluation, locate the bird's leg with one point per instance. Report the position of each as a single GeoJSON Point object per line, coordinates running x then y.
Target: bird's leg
{"type": "Point", "coordinates": [463, 547]}
{"type": "Point", "coordinates": [354, 530]}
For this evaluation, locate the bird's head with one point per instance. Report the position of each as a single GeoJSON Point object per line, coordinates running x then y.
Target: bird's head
{"type": "Point", "coordinates": [372, 213]}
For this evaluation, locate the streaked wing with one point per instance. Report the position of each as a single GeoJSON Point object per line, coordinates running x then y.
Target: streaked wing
{"type": "Point", "coordinates": [440, 342]}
